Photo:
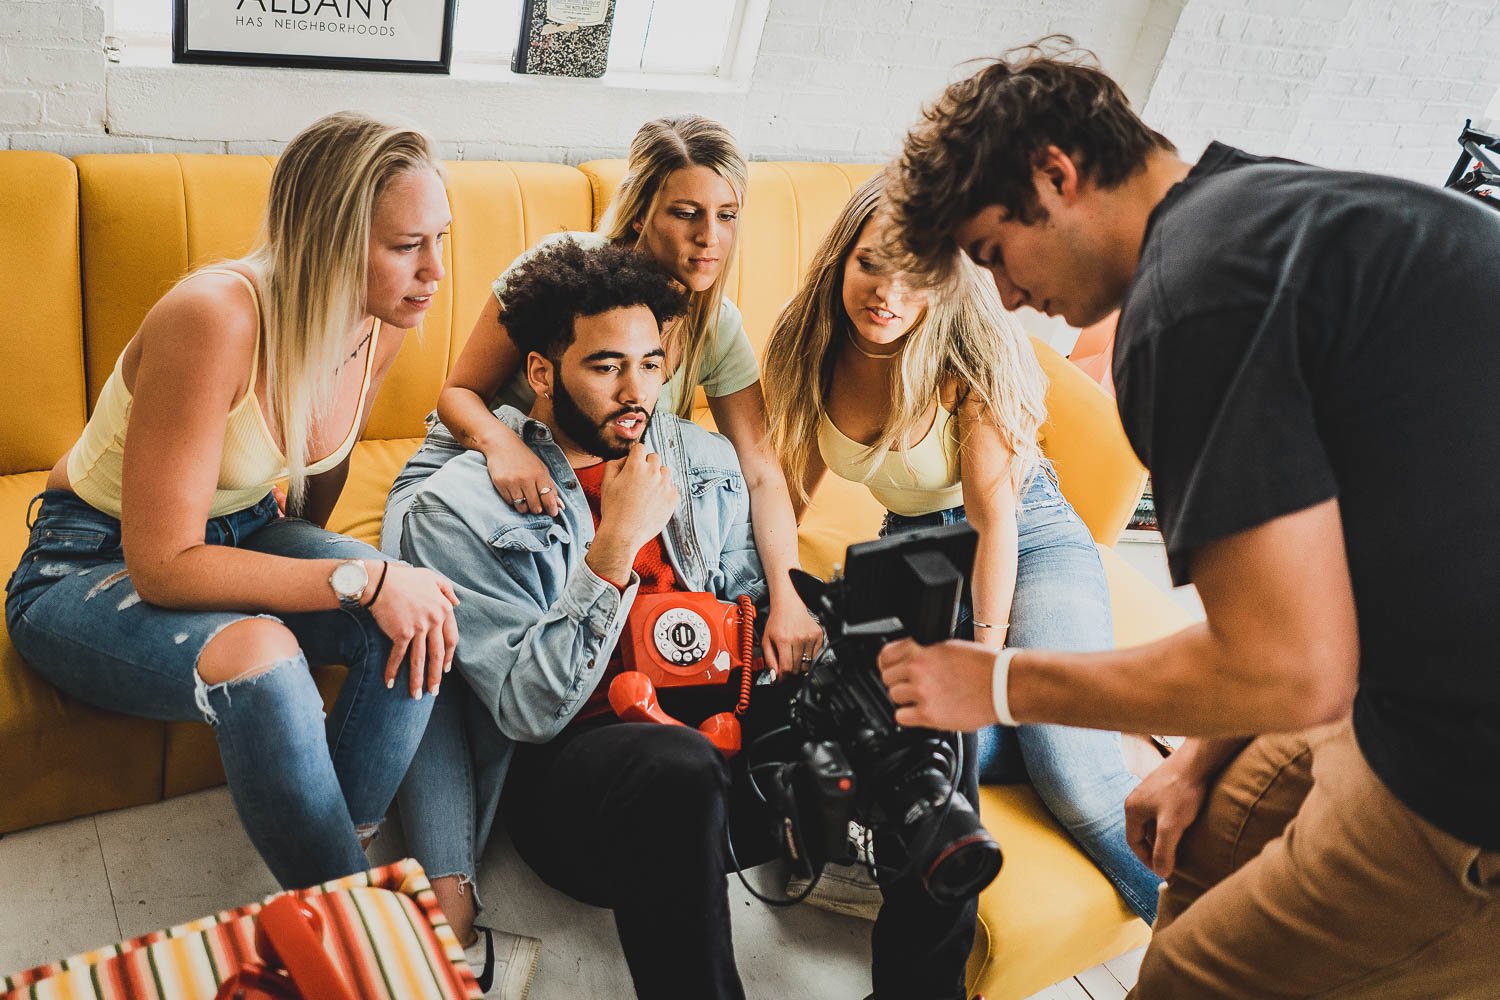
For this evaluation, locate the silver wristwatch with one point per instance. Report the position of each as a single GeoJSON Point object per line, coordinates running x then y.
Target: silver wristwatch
{"type": "Point", "coordinates": [349, 580]}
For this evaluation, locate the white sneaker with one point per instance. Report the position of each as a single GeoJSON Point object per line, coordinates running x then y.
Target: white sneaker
{"type": "Point", "coordinates": [846, 889]}
{"type": "Point", "coordinates": [504, 963]}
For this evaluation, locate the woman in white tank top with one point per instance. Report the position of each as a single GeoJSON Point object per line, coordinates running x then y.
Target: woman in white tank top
{"type": "Point", "coordinates": [934, 401]}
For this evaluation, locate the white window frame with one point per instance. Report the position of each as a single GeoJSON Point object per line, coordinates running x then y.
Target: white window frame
{"type": "Point", "coordinates": [741, 43]}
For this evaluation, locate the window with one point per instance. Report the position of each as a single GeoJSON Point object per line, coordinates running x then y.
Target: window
{"type": "Point", "coordinates": [695, 37]}
{"type": "Point", "coordinates": [650, 36]}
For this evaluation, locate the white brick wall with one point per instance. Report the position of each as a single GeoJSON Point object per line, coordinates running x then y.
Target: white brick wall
{"type": "Point", "coordinates": [1379, 85]}
{"type": "Point", "coordinates": [834, 79]}
{"type": "Point", "coordinates": [51, 69]}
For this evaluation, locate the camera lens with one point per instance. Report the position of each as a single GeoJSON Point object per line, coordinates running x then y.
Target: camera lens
{"type": "Point", "coordinates": [963, 867]}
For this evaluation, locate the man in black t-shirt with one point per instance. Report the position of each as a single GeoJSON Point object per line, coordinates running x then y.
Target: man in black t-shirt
{"type": "Point", "coordinates": [1307, 361]}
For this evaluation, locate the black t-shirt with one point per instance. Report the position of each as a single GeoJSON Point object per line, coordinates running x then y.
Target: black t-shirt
{"type": "Point", "coordinates": [1294, 334]}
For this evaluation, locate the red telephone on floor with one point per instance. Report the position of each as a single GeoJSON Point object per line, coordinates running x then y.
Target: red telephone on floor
{"type": "Point", "coordinates": [681, 639]}
{"type": "Point", "coordinates": [289, 933]}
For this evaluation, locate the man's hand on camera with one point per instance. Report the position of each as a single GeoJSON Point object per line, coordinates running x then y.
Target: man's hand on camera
{"type": "Point", "coordinates": [947, 685]}
{"type": "Point", "coordinates": [635, 503]}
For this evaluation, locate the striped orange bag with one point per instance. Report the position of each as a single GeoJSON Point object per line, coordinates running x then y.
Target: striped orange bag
{"type": "Point", "coordinates": [383, 931]}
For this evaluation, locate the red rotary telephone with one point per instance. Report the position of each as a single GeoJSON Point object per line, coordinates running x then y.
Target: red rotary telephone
{"type": "Point", "coordinates": [681, 639]}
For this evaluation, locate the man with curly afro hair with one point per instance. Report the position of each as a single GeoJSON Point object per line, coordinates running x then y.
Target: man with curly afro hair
{"type": "Point", "coordinates": [630, 816]}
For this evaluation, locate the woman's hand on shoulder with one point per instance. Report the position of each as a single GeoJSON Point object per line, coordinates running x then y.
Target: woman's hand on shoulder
{"type": "Point", "coordinates": [520, 477]}
{"type": "Point", "coordinates": [414, 608]}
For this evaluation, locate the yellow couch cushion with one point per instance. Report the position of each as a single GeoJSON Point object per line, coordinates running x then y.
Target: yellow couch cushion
{"type": "Point", "coordinates": [41, 353]}
{"type": "Point", "coordinates": [61, 757]}
{"type": "Point", "coordinates": [1048, 910]}
{"type": "Point", "coordinates": [1096, 467]}
{"type": "Point", "coordinates": [371, 473]}
{"type": "Point", "coordinates": [188, 210]}
{"type": "Point", "coordinates": [1050, 913]}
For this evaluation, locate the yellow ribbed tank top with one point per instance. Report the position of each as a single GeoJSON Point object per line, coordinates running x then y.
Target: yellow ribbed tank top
{"type": "Point", "coordinates": [251, 462]}
{"type": "Point", "coordinates": [925, 480]}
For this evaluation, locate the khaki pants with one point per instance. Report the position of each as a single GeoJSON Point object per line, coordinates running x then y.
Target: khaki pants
{"type": "Point", "coordinates": [1305, 877]}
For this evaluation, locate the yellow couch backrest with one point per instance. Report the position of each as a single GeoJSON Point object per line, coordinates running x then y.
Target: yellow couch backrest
{"type": "Point", "coordinates": [42, 394]}
{"type": "Point", "coordinates": [134, 224]}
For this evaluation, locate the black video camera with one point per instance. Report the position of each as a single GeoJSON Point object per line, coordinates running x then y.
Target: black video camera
{"type": "Point", "coordinates": [855, 762]}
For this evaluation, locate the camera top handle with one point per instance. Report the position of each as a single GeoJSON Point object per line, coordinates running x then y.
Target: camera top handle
{"type": "Point", "coordinates": [918, 577]}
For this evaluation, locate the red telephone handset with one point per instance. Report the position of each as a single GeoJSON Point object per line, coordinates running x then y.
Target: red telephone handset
{"type": "Point", "coordinates": [679, 639]}
{"type": "Point", "coordinates": [289, 932]}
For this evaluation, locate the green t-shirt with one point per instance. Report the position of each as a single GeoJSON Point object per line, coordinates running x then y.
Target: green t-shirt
{"type": "Point", "coordinates": [728, 365]}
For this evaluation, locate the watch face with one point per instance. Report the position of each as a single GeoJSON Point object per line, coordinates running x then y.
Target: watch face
{"type": "Point", "coordinates": [349, 579]}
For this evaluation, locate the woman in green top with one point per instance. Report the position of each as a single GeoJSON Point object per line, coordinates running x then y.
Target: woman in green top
{"type": "Point", "coordinates": [680, 202]}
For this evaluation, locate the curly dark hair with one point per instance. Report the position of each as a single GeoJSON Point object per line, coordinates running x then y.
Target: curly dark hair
{"type": "Point", "coordinates": [978, 142]}
{"type": "Point", "coordinates": [559, 283]}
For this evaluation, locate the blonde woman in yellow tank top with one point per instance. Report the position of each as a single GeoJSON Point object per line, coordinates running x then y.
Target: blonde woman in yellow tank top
{"type": "Point", "coordinates": [934, 401]}
{"type": "Point", "coordinates": [161, 578]}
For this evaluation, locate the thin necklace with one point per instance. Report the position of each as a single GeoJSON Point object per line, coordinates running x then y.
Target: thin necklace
{"type": "Point", "coordinates": [870, 354]}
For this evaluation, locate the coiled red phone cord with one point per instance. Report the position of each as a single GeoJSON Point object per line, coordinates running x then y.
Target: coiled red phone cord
{"type": "Point", "coordinates": [747, 651]}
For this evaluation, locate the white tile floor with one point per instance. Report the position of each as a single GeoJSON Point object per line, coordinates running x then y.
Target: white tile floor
{"type": "Point", "coordinates": [73, 886]}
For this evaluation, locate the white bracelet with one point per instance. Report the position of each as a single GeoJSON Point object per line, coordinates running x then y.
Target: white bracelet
{"type": "Point", "coordinates": [1001, 686]}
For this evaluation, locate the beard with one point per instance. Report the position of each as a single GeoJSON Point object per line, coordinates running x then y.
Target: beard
{"type": "Point", "coordinates": [583, 430]}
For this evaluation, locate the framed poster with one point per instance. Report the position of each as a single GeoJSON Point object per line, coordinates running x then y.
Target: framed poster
{"type": "Point", "coordinates": [409, 36]}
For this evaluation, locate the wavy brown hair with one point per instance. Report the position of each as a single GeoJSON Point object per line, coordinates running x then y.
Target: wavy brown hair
{"type": "Point", "coordinates": [964, 336]}
{"type": "Point", "coordinates": [977, 144]}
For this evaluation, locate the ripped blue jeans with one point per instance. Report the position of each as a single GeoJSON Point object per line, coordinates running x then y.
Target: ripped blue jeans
{"type": "Point", "coordinates": [306, 786]}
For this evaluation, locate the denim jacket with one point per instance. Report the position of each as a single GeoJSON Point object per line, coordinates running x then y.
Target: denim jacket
{"type": "Point", "coordinates": [536, 624]}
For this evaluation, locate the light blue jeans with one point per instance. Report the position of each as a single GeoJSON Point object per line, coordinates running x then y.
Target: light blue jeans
{"type": "Point", "coordinates": [306, 787]}
{"type": "Point", "coordinates": [1061, 602]}
{"type": "Point", "coordinates": [445, 824]}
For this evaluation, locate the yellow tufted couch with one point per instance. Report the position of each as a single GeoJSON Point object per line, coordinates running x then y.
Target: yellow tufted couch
{"type": "Point", "coordinates": [86, 247]}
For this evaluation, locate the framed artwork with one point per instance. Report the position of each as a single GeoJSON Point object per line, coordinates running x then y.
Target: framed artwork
{"type": "Point", "coordinates": [408, 36]}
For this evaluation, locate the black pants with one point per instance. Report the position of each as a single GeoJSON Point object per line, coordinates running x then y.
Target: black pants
{"type": "Point", "coordinates": [631, 816]}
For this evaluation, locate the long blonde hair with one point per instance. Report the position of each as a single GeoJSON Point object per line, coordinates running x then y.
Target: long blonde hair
{"type": "Point", "coordinates": [964, 336]}
{"type": "Point", "coordinates": [660, 147]}
{"type": "Point", "coordinates": [312, 261]}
